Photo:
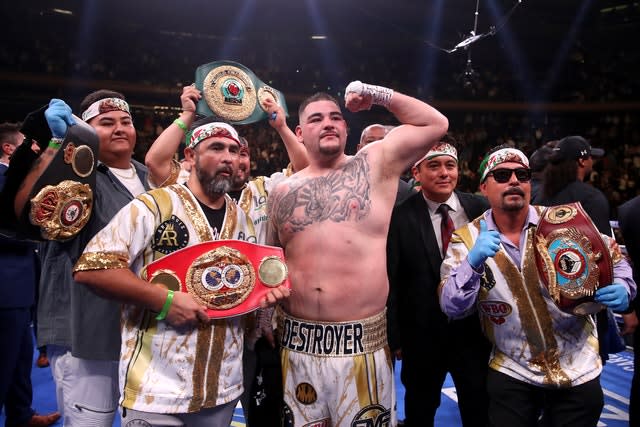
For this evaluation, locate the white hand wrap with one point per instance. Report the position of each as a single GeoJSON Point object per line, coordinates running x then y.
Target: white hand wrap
{"type": "Point", "coordinates": [380, 95]}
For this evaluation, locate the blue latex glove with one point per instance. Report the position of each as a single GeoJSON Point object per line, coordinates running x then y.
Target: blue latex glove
{"type": "Point", "coordinates": [614, 296]}
{"type": "Point", "coordinates": [487, 245]}
{"type": "Point", "coordinates": [58, 117]}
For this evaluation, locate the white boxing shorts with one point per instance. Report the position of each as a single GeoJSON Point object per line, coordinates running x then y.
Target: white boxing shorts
{"type": "Point", "coordinates": [336, 373]}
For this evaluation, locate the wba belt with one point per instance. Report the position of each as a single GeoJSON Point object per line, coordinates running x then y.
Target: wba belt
{"type": "Point", "coordinates": [234, 93]}
{"type": "Point", "coordinates": [229, 277]}
{"type": "Point", "coordinates": [61, 200]}
{"type": "Point", "coordinates": [333, 339]}
{"type": "Point", "coordinates": [572, 258]}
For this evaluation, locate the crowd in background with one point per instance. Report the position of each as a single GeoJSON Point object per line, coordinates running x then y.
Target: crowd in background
{"type": "Point", "coordinates": [596, 69]}
{"type": "Point", "coordinates": [617, 174]}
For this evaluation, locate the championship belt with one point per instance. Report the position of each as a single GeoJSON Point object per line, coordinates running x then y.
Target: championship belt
{"type": "Point", "coordinates": [232, 92]}
{"type": "Point", "coordinates": [572, 258]}
{"type": "Point", "coordinates": [61, 200]}
{"type": "Point", "coordinates": [229, 277]}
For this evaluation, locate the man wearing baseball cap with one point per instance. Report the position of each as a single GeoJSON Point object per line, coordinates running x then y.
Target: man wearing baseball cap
{"type": "Point", "coordinates": [570, 163]}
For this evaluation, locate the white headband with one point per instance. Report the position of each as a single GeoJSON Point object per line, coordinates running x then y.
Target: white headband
{"type": "Point", "coordinates": [105, 105]}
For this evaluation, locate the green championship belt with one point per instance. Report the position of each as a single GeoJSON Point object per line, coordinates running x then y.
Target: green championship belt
{"type": "Point", "coordinates": [232, 92]}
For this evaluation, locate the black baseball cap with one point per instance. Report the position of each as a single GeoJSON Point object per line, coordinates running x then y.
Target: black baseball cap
{"type": "Point", "coordinates": [574, 148]}
{"type": "Point", "coordinates": [539, 158]}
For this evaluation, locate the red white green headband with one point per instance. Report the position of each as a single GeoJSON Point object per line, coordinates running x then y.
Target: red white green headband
{"type": "Point", "coordinates": [440, 149]}
{"type": "Point", "coordinates": [505, 155]}
{"type": "Point", "coordinates": [210, 130]}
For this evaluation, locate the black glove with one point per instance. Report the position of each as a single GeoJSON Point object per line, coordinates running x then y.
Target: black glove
{"type": "Point", "coordinates": [35, 127]}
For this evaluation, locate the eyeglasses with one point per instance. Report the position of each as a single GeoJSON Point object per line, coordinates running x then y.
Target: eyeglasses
{"type": "Point", "coordinates": [504, 175]}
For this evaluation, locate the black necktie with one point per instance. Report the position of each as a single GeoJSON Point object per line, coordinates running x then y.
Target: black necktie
{"type": "Point", "coordinates": [446, 226]}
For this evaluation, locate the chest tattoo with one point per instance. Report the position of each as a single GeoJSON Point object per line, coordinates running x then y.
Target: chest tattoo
{"type": "Point", "coordinates": [342, 195]}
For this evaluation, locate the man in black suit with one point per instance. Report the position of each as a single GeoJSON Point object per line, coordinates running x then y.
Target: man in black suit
{"type": "Point", "coordinates": [630, 229]}
{"type": "Point", "coordinates": [429, 344]}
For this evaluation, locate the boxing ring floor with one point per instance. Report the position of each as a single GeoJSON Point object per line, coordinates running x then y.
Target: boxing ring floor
{"type": "Point", "coordinates": [615, 379]}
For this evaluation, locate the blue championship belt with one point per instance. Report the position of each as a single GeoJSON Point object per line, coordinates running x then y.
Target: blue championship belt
{"type": "Point", "coordinates": [234, 93]}
{"type": "Point", "coordinates": [572, 258]}
{"type": "Point", "coordinates": [61, 200]}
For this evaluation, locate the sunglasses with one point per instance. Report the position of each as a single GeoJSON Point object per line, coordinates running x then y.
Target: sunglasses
{"type": "Point", "coordinates": [504, 175]}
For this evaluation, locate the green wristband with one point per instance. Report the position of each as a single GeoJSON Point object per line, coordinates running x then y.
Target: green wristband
{"type": "Point", "coordinates": [181, 125]}
{"type": "Point", "coordinates": [55, 143]}
{"type": "Point", "coordinates": [165, 307]}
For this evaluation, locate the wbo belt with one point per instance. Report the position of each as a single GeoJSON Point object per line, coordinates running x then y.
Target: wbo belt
{"type": "Point", "coordinates": [229, 277]}
{"type": "Point", "coordinates": [572, 258]}
{"type": "Point", "coordinates": [333, 339]}
{"type": "Point", "coordinates": [234, 93]}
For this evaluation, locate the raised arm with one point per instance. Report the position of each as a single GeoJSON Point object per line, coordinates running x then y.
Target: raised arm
{"type": "Point", "coordinates": [159, 158]}
{"type": "Point", "coordinates": [58, 118]}
{"type": "Point", "coordinates": [295, 150]}
{"type": "Point", "coordinates": [422, 125]}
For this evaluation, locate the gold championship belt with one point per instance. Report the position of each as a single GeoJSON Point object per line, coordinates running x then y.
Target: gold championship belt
{"type": "Point", "coordinates": [572, 258]}
{"type": "Point", "coordinates": [229, 277]}
{"type": "Point", "coordinates": [234, 93]}
{"type": "Point", "coordinates": [61, 200]}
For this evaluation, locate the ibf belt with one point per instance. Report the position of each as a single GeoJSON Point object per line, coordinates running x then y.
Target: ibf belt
{"type": "Point", "coordinates": [229, 277]}
{"type": "Point", "coordinates": [333, 338]}
{"type": "Point", "coordinates": [572, 258]}
{"type": "Point", "coordinates": [234, 93]}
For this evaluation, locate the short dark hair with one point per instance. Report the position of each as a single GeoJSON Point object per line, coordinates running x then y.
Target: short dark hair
{"type": "Point", "coordinates": [320, 96]}
{"type": "Point", "coordinates": [9, 133]}
{"type": "Point", "coordinates": [98, 95]}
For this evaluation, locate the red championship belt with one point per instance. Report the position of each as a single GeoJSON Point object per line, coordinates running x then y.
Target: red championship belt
{"type": "Point", "coordinates": [572, 258]}
{"type": "Point", "coordinates": [229, 277]}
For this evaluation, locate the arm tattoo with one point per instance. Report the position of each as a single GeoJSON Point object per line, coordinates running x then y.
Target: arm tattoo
{"type": "Point", "coordinates": [342, 195]}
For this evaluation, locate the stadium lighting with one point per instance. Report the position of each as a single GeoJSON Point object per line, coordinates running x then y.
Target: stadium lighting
{"type": "Point", "coordinates": [62, 11]}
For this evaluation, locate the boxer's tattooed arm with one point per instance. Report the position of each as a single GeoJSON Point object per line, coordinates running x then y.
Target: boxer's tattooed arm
{"type": "Point", "coordinates": [342, 195]}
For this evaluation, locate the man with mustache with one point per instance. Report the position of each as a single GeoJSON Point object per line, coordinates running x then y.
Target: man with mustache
{"type": "Point", "coordinates": [544, 360]}
{"type": "Point", "coordinates": [177, 367]}
{"type": "Point", "coordinates": [251, 195]}
{"type": "Point", "coordinates": [418, 239]}
{"type": "Point", "coordinates": [332, 220]}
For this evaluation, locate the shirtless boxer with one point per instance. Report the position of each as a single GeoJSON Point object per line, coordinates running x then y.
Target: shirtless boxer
{"type": "Point", "coordinates": [332, 220]}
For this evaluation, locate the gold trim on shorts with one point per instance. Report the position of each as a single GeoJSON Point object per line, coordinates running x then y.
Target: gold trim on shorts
{"type": "Point", "coordinates": [333, 339]}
